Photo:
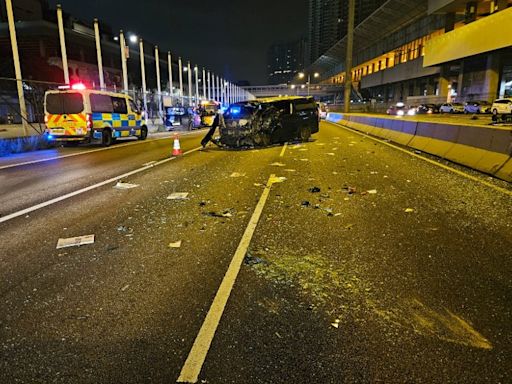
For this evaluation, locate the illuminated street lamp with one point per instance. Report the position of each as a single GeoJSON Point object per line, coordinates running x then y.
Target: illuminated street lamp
{"type": "Point", "coordinates": [303, 75]}
{"type": "Point", "coordinates": [133, 39]}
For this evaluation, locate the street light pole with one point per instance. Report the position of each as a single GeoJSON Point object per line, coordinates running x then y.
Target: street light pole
{"type": "Point", "coordinates": [122, 44]}
{"type": "Point", "coordinates": [143, 75]}
{"type": "Point", "coordinates": [196, 73]}
{"type": "Point", "coordinates": [180, 67]}
{"type": "Point", "coordinates": [204, 83]}
{"type": "Point", "coordinates": [158, 85]}
{"type": "Point", "coordinates": [98, 53]}
{"type": "Point", "coordinates": [17, 66]}
{"type": "Point", "coordinates": [169, 65]}
{"type": "Point", "coordinates": [189, 71]}
{"type": "Point", "coordinates": [209, 85]}
{"type": "Point", "coordinates": [63, 44]}
{"type": "Point", "coordinates": [350, 48]}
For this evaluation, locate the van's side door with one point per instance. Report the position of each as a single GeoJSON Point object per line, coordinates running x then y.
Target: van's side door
{"type": "Point", "coordinates": [120, 117]}
{"type": "Point", "coordinates": [286, 129]}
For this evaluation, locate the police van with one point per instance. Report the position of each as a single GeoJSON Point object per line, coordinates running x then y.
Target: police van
{"type": "Point", "coordinates": [79, 115]}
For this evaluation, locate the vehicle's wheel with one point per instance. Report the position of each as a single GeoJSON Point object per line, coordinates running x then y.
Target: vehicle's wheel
{"type": "Point", "coordinates": [143, 133]}
{"type": "Point", "coordinates": [262, 139]}
{"type": "Point", "coordinates": [106, 138]}
{"type": "Point", "coordinates": [304, 134]}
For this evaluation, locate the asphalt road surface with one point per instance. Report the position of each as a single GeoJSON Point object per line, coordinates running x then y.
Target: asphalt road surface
{"type": "Point", "coordinates": [340, 260]}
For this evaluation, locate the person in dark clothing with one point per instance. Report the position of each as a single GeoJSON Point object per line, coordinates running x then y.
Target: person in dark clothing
{"type": "Point", "coordinates": [209, 136]}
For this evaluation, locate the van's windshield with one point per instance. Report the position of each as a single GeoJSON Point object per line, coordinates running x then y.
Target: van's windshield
{"type": "Point", "coordinates": [64, 103]}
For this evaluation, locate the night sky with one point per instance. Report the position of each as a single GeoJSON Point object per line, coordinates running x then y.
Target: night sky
{"type": "Point", "coordinates": [230, 37]}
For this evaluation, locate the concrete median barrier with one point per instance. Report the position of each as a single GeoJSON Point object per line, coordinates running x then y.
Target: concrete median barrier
{"type": "Point", "coordinates": [486, 149]}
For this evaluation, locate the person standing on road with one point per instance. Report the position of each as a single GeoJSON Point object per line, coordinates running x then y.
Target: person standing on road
{"type": "Point", "coordinates": [217, 122]}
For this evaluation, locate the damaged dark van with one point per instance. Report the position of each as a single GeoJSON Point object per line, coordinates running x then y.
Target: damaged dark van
{"type": "Point", "coordinates": [263, 122]}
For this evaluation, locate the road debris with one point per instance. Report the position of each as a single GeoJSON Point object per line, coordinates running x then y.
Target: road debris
{"type": "Point", "coordinates": [349, 190]}
{"type": "Point", "coordinates": [372, 192]}
{"type": "Point", "coordinates": [178, 196]}
{"type": "Point", "coordinates": [409, 210]}
{"type": "Point", "coordinates": [227, 213]}
{"type": "Point", "coordinates": [330, 154]}
{"type": "Point", "coordinates": [290, 170]}
{"type": "Point", "coordinates": [305, 203]}
{"type": "Point", "coordinates": [176, 244]}
{"type": "Point", "coordinates": [125, 287]}
{"type": "Point", "coordinates": [75, 241]}
{"type": "Point", "coordinates": [251, 259]}
{"type": "Point", "coordinates": [258, 185]}
{"type": "Point", "coordinates": [314, 190]}
{"type": "Point", "coordinates": [122, 186]}
{"type": "Point", "coordinates": [236, 174]}
{"type": "Point", "coordinates": [336, 323]}
{"type": "Point", "coordinates": [278, 164]}
{"type": "Point", "coordinates": [277, 179]}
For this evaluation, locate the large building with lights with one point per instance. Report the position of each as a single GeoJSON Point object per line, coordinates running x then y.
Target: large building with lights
{"type": "Point", "coordinates": [420, 51]}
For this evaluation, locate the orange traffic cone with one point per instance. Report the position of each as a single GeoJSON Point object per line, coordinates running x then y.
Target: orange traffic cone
{"type": "Point", "coordinates": [176, 150]}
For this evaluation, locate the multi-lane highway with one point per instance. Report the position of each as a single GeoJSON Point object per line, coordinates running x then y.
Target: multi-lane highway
{"type": "Point", "coordinates": [344, 259]}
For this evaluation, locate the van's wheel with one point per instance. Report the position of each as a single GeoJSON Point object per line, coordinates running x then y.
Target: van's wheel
{"type": "Point", "coordinates": [262, 139]}
{"type": "Point", "coordinates": [143, 133]}
{"type": "Point", "coordinates": [106, 138]}
{"type": "Point", "coordinates": [304, 134]}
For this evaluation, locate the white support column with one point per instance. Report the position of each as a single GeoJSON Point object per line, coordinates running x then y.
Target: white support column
{"type": "Point", "coordinates": [62, 38]}
{"type": "Point", "coordinates": [209, 95]}
{"type": "Point", "coordinates": [143, 75]}
{"type": "Point", "coordinates": [169, 64]}
{"type": "Point", "coordinates": [189, 69]}
{"type": "Point", "coordinates": [196, 73]}
{"type": "Point", "coordinates": [122, 44]}
{"type": "Point", "coordinates": [180, 65]}
{"type": "Point", "coordinates": [204, 84]}
{"type": "Point", "coordinates": [158, 85]}
{"type": "Point", "coordinates": [98, 54]}
{"type": "Point", "coordinates": [17, 67]}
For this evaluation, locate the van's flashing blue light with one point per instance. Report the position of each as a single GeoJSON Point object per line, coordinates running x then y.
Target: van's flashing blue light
{"type": "Point", "coordinates": [50, 137]}
{"type": "Point", "coordinates": [236, 110]}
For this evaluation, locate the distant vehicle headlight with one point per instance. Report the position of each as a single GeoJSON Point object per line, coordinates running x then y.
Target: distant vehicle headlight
{"type": "Point", "coordinates": [400, 113]}
{"type": "Point", "coordinates": [411, 112]}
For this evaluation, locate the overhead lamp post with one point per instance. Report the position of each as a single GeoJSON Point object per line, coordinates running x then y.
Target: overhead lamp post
{"type": "Point", "coordinates": [189, 72]}
{"type": "Point", "coordinates": [17, 66]}
{"type": "Point", "coordinates": [196, 73]}
{"type": "Point", "coordinates": [302, 75]}
{"type": "Point", "coordinates": [180, 69]}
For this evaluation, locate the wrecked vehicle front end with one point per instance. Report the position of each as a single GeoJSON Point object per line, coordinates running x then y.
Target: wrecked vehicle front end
{"type": "Point", "coordinates": [245, 126]}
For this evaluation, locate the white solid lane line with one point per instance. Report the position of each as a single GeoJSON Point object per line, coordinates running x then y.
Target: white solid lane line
{"type": "Point", "coordinates": [80, 191]}
{"type": "Point", "coordinates": [89, 151]}
{"type": "Point", "coordinates": [195, 360]}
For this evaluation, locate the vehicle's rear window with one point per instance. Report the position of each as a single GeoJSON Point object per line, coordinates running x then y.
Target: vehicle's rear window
{"type": "Point", "coordinates": [64, 103]}
{"type": "Point", "coordinates": [101, 103]}
{"type": "Point", "coordinates": [302, 105]}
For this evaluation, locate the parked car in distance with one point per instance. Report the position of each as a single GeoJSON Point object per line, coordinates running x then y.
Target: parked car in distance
{"type": "Point", "coordinates": [451, 108]}
{"type": "Point", "coordinates": [400, 109]}
{"type": "Point", "coordinates": [427, 109]}
{"type": "Point", "coordinates": [501, 107]}
{"type": "Point", "coordinates": [477, 107]}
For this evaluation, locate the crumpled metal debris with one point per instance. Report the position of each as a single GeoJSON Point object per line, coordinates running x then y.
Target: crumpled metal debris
{"type": "Point", "coordinates": [227, 213]}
